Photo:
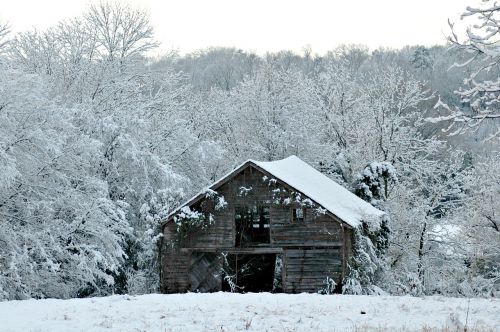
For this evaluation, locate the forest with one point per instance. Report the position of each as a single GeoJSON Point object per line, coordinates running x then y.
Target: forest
{"type": "Point", "coordinates": [100, 140]}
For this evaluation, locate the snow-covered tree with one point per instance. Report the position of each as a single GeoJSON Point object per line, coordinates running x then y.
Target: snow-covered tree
{"type": "Point", "coordinates": [271, 111]}
{"type": "Point", "coordinates": [61, 234]}
{"type": "Point", "coordinates": [421, 59]}
{"type": "Point", "coordinates": [115, 118]}
{"type": "Point", "coordinates": [481, 91]}
{"type": "Point", "coordinates": [477, 229]}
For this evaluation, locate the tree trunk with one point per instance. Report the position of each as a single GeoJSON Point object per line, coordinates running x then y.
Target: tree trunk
{"type": "Point", "coordinates": [421, 254]}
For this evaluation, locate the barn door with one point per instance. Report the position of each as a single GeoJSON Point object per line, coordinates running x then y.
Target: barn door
{"type": "Point", "coordinates": [205, 272]}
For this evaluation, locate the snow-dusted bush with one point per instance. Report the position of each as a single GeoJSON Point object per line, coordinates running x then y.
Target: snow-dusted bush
{"type": "Point", "coordinates": [367, 266]}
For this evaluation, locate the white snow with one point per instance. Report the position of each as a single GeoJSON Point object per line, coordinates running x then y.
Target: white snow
{"type": "Point", "coordinates": [250, 312]}
{"type": "Point", "coordinates": [323, 190]}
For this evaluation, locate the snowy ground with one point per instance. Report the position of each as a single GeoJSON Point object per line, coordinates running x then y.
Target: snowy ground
{"type": "Point", "coordinates": [252, 312]}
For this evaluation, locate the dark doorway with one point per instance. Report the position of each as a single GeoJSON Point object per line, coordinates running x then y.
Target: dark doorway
{"type": "Point", "coordinates": [245, 273]}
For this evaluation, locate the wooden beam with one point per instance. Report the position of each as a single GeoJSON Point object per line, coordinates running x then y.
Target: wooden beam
{"type": "Point", "coordinates": [249, 251]}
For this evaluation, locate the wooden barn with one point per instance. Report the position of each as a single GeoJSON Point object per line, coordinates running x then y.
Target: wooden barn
{"type": "Point", "coordinates": [277, 226]}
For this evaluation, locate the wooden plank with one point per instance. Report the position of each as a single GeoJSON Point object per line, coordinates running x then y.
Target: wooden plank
{"type": "Point", "coordinates": [313, 272]}
{"type": "Point", "coordinates": [302, 280]}
{"type": "Point", "coordinates": [307, 244]}
{"type": "Point", "coordinates": [255, 251]}
{"type": "Point", "coordinates": [312, 252]}
{"type": "Point", "coordinates": [312, 268]}
{"type": "Point", "coordinates": [313, 261]}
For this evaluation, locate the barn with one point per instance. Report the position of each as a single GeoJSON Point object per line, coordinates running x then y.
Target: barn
{"type": "Point", "coordinates": [279, 226]}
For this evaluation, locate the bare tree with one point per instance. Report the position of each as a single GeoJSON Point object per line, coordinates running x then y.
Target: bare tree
{"type": "Point", "coordinates": [4, 31]}
{"type": "Point", "coordinates": [121, 32]}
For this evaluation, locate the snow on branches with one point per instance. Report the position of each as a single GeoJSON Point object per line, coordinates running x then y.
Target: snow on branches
{"type": "Point", "coordinates": [190, 220]}
{"type": "Point", "coordinates": [480, 92]}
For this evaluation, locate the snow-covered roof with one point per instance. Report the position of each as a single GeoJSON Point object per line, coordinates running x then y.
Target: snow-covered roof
{"type": "Point", "coordinates": [315, 185]}
{"type": "Point", "coordinates": [323, 190]}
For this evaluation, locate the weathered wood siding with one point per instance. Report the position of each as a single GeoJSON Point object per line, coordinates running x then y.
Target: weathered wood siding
{"type": "Point", "coordinates": [174, 267]}
{"type": "Point", "coordinates": [315, 230]}
{"type": "Point", "coordinates": [218, 235]}
{"type": "Point", "coordinates": [307, 270]}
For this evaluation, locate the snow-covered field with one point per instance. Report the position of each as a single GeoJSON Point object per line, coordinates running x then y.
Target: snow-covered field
{"type": "Point", "coordinates": [251, 312]}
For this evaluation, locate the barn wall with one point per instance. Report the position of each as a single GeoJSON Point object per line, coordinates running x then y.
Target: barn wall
{"type": "Point", "coordinates": [307, 270]}
{"type": "Point", "coordinates": [316, 230]}
{"type": "Point", "coordinates": [175, 264]}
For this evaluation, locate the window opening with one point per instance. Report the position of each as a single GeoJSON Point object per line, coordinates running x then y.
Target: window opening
{"type": "Point", "coordinates": [252, 225]}
{"type": "Point", "coordinates": [298, 214]}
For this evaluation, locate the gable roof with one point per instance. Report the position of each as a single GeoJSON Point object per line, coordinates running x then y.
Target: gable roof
{"type": "Point", "coordinates": [310, 182]}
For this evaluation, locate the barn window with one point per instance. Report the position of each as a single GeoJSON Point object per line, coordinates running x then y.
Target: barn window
{"type": "Point", "coordinates": [252, 225]}
{"type": "Point", "coordinates": [298, 214]}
